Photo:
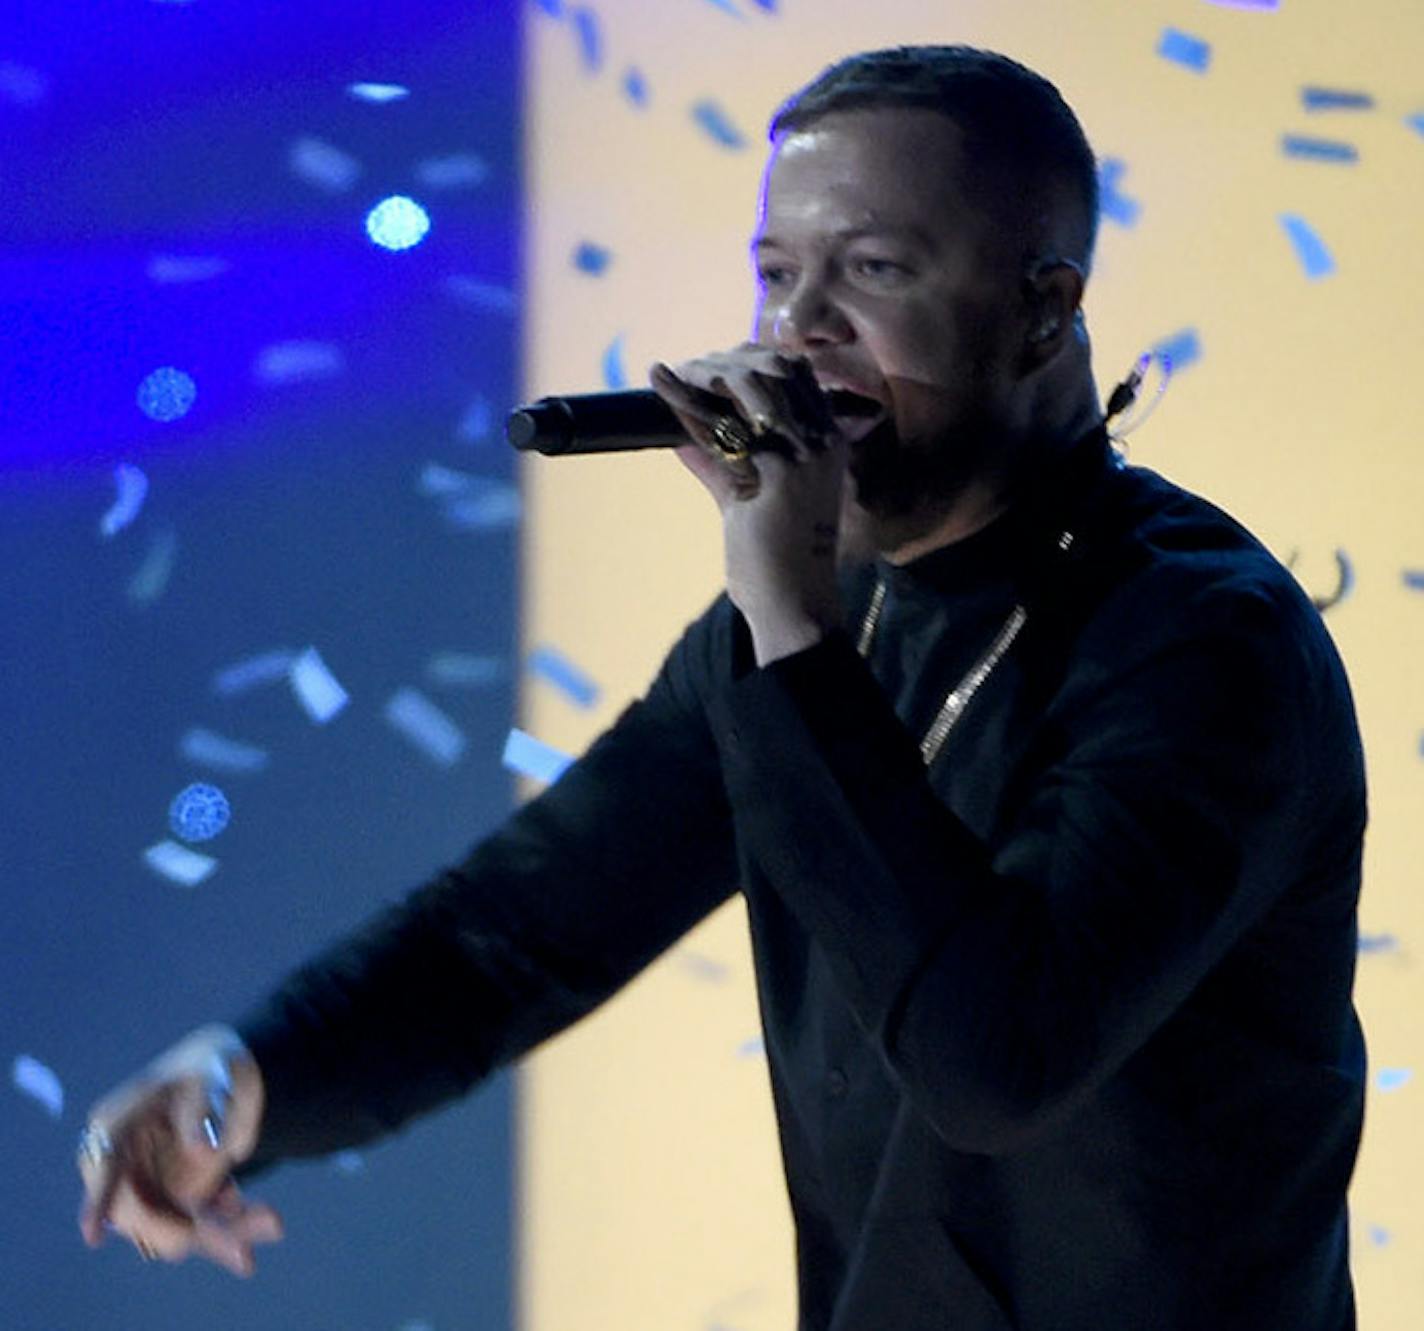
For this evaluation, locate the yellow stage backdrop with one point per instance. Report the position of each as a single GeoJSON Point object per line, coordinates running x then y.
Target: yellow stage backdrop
{"type": "Point", "coordinates": [1289, 278]}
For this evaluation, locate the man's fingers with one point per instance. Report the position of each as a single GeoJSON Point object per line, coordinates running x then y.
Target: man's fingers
{"type": "Point", "coordinates": [100, 1184]}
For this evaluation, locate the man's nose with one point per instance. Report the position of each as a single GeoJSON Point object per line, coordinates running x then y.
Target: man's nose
{"type": "Point", "coordinates": [807, 318]}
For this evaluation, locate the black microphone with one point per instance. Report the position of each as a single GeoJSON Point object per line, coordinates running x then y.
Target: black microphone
{"type": "Point", "coordinates": [622, 421]}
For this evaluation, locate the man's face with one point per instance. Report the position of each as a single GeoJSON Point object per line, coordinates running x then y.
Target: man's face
{"type": "Point", "coordinates": [875, 262]}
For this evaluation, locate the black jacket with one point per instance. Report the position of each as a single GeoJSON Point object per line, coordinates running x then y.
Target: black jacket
{"type": "Point", "coordinates": [1060, 1030]}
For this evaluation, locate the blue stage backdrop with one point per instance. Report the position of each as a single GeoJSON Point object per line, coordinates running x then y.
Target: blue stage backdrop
{"type": "Point", "coordinates": [258, 531]}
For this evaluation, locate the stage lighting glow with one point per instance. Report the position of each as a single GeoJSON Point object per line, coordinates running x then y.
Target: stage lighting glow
{"type": "Point", "coordinates": [397, 223]}
{"type": "Point", "coordinates": [166, 394]}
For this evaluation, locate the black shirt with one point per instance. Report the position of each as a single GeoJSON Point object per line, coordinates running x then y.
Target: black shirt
{"type": "Point", "coordinates": [1060, 1029]}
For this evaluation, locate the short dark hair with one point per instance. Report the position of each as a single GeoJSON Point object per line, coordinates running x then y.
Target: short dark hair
{"type": "Point", "coordinates": [1015, 123]}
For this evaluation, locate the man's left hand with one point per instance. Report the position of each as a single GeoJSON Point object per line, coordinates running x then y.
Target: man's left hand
{"type": "Point", "coordinates": [781, 503]}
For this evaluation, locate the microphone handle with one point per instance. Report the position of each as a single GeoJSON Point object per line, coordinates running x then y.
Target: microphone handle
{"type": "Point", "coordinates": [595, 423]}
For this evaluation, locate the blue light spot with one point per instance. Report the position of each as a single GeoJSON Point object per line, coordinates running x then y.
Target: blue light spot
{"type": "Point", "coordinates": [199, 812]}
{"type": "Point", "coordinates": [1333, 99]}
{"type": "Point", "coordinates": [716, 124]}
{"type": "Point", "coordinates": [1180, 350]}
{"type": "Point", "coordinates": [1414, 579]}
{"type": "Point", "coordinates": [1318, 150]}
{"type": "Point", "coordinates": [635, 87]}
{"type": "Point", "coordinates": [1315, 258]}
{"type": "Point", "coordinates": [590, 38]}
{"type": "Point", "coordinates": [613, 376]}
{"type": "Point", "coordinates": [1183, 49]}
{"type": "Point", "coordinates": [166, 394]}
{"type": "Point", "coordinates": [397, 223]}
{"type": "Point", "coordinates": [592, 259]}
{"type": "Point", "coordinates": [1112, 203]}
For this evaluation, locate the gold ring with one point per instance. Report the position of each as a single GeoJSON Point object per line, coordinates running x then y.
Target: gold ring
{"type": "Point", "coordinates": [731, 438]}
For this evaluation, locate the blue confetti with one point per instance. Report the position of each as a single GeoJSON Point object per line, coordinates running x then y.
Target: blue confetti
{"type": "Point", "coordinates": [1370, 944]}
{"type": "Point", "coordinates": [1379, 1236]}
{"type": "Point", "coordinates": [1416, 122]}
{"type": "Point", "coordinates": [412, 714]}
{"type": "Point", "coordinates": [321, 163]}
{"type": "Point", "coordinates": [727, 7]}
{"type": "Point", "coordinates": [199, 812]}
{"type": "Point", "coordinates": [768, 5]}
{"type": "Point", "coordinates": [1333, 99]}
{"type": "Point", "coordinates": [1318, 150]}
{"type": "Point", "coordinates": [533, 758]}
{"type": "Point", "coordinates": [465, 670]}
{"type": "Point", "coordinates": [132, 487]}
{"type": "Point", "coordinates": [753, 1048]}
{"type": "Point", "coordinates": [635, 87]}
{"type": "Point", "coordinates": [150, 578]}
{"type": "Point", "coordinates": [1315, 258]}
{"type": "Point", "coordinates": [1414, 579]}
{"type": "Point", "coordinates": [716, 124]}
{"type": "Point", "coordinates": [1248, 4]}
{"type": "Point", "coordinates": [178, 864]}
{"type": "Point", "coordinates": [590, 38]}
{"type": "Point", "coordinates": [397, 223]}
{"type": "Point", "coordinates": [298, 362]}
{"type": "Point", "coordinates": [1391, 1079]}
{"type": "Point", "coordinates": [455, 171]}
{"type": "Point", "coordinates": [552, 666]}
{"type": "Point", "coordinates": [39, 1083]}
{"type": "Point", "coordinates": [592, 259]}
{"type": "Point", "coordinates": [704, 968]}
{"type": "Point", "coordinates": [613, 376]}
{"type": "Point", "coordinates": [377, 92]}
{"type": "Point", "coordinates": [317, 690]}
{"type": "Point", "coordinates": [553, 8]}
{"type": "Point", "coordinates": [247, 674]}
{"type": "Point", "coordinates": [1180, 350]}
{"type": "Point", "coordinates": [166, 394]}
{"type": "Point", "coordinates": [185, 268]}
{"type": "Point", "coordinates": [227, 755]}
{"type": "Point", "coordinates": [1112, 203]}
{"type": "Point", "coordinates": [1183, 49]}
{"type": "Point", "coordinates": [349, 1162]}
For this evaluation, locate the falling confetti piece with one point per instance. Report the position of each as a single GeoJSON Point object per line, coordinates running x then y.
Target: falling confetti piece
{"type": "Point", "coordinates": [1372, 943]}
{"type": "Point", "coordinates": [150, 579]}
{"type": "Point", "coordinates": [1416, 122]}
{"type": "Point", "coordinates": [703, 967]}
{"type": "Point", "coordinates": [199, 812]}
{"type": "Point", "coordinates": [1379, 1236]}
{"type": "Point", "coordinates": [592, 259]}
{"type": "Point", "coordinates": [753, 1048]}
{"type": "Point", "coordinates": [349, 1162]}
{"type": "Point", "coordinates": [1314, 257]}
{"type": "Point", "coordinates": [179, 268]}
{"type": "Point", "coordinates": [397, 223]}
{"type": "Point", "coordinates": [1391, 1079]}
{"type": "Point", "coordinates": [227, 755]}
{"type": "Point", "coordinates": [167, 394]}
{"type": "Point", "coordinates": [413, 715]}
{"type": "Point", "coordinates": [1181, 48]}
{"type": "Point", "coordinates": [635, 88]}
{"type": "Point", "coordinates": [590, 37]}
{"type": "Point", "coordinates": [476, 421]}
{"type": "Point", "coordinates": [298, 362]}
{"type": "Point", "coordinates": [553, 8]}
{"type": "Point", "coordinates": [613, 375]}
{"type": "Point", "coordinates": [1112, 203]}
{"type": "Point", "coordinates": [533, 758]}
{"type": "Point", "coordinates": [249, 673]}
{"type": "Point", "coordinates": [1180, 350]}
{"type": "Point", "coordinates": [454, 171]}
{"type": "Point", "coordinates": [22, 85]}
{"type": "Point", "coordinates": [768, 5]}
{"type": "Point", "coordinates": [552, 666]}
{"type": "Point", "coordinates": [482, 295]}
{"type": "Point", "coordinates": [494, 507]}
{"type": "Point", "coordinates": [131, 486]}
{"type": "Point", "coordinates": [323, 164]}
{"type": "Point", "coordinates": [1318, 150]}
{"type": "Point", "coordinates": [39, 1083]}
{"type": "Point", "coordinates": [464, 670]}
{"type": "Point", "coordinates": [1414, 579]}
{"type": "Point", "coordinates": [178, 864]}
{"type": "Point", "coordinates": [1334, 99]}
{"type": "Point", "coordinates": [420, 1324]}
{"type": "Point", "coordinates": [717, 125]}
{"type": "Point", "coordinates": [437, 481]}
{"type": "Point", "coordinates": [1247, 4]}
{"type": "Point", "coordinates": [377, 92]}
{"type": "Point", "coordinates": [727, 7]}
{"type": "Point", "coordinates": [317, 689]}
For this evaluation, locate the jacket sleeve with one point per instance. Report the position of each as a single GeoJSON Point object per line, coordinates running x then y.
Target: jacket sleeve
{"type": "Point", "coordinates": [1004, 983]}
{"type": "Point", "coordinates": [576, 893]}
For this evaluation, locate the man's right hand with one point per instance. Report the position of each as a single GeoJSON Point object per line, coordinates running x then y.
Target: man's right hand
{"type": "Point", "coordinates": [151, 1169]}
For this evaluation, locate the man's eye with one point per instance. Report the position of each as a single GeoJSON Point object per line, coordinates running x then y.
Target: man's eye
{"type": "Point", "coordinates": [880, 268]}
{"type": "Point", "coordinates": [771, 276]}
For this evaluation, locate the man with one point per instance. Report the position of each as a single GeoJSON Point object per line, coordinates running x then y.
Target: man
{"type": "Point", "coordinates": [1039, 775]}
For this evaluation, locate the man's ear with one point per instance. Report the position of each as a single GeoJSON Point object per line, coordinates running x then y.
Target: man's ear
{"type": "Point", "coordinates": [1053, 295]}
